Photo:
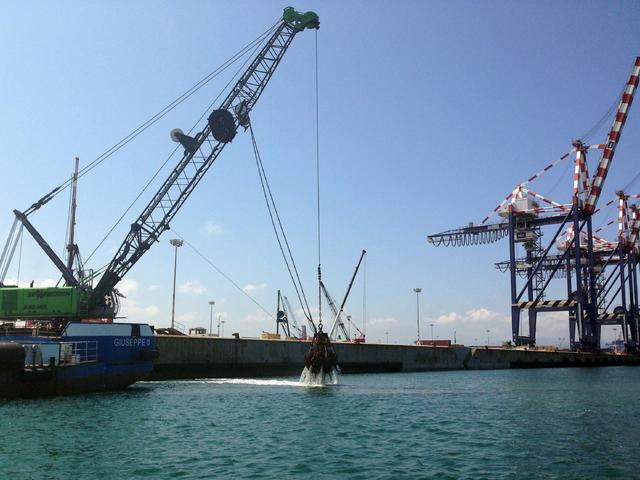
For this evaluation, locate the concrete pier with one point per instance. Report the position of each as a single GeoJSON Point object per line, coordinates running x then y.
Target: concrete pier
{"type": "Point", "coordinates": [201, 357]}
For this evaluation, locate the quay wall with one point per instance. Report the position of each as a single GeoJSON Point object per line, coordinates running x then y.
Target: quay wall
{"type": "Point", "coordinates": [201, 357]}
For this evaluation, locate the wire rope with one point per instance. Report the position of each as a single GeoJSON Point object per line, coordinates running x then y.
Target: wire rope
{"type": "Point", "coordinates": [318, 187]}
{"type": "Point", "coordinates": [585, 137]}
{"type": "Point", "coordinates": [160, 114]}
{"type": "Point", "coordinates": [226, 277]}
{"type": "Point", "coordinates": [155, 175]}
{"type": "Point", "coordinates": [279, 230]}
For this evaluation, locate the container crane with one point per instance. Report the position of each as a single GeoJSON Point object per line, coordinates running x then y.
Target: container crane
{"type": "Point", "coordinates": [78, 299]}
{"type": "Point", "coordinates": [583, 258]}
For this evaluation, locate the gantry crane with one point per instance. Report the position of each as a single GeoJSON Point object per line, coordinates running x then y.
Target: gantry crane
{"type": "Point", "coordinates": [200, 151]}
{"type": "Point", "coordinates": [583, 257]}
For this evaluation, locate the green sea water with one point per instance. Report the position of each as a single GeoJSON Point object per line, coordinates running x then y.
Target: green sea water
{"type": "Point", "coordinates": [547, 423]}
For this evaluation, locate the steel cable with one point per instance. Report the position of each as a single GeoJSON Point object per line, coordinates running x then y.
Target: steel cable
{"type": "Point", "coordinates": [279, 230]}
{"type": "Point", "coordinates": [153, 119]}
{"type": "Point", "coordinates": [155, 175]}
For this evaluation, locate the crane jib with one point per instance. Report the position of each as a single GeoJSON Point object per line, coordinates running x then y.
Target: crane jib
{"type": "Point", "coordinates": [203, 150]}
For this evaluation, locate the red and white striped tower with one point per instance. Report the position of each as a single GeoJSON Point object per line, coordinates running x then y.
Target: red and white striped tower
{"type": "Point", "coordinates": [612, 139]}
{"type": "Point", "coordinates": [622, 217]}
{"type": "Point", "coordinates": [635, 227]}
{"type": "Point", "coordinates": [579, 172]}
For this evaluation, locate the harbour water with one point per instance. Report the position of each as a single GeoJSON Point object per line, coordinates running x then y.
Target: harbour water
{"type": "Point", "coordinates": [543, 423]}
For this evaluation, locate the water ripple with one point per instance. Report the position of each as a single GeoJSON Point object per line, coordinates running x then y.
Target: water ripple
{"type": "Point", "coordinates": [558, 423]}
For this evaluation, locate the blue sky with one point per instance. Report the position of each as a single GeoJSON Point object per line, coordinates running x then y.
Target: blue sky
{"type": "Point", "coordinates": [430, 113]}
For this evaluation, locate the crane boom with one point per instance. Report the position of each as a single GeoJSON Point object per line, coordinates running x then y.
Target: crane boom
{"type": "Point", "coordinates": [612, 139]}
{"type": "Point", "coordinates": [293, 321]}
{"type": "Point", "coordinates": [200, 153]}
{"type": "Point", "coordinates": [338, 320]}
{"type": "Point", "coordinates": [334, 309]}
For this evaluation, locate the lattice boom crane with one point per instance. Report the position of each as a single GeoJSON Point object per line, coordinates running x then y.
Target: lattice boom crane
{"type": "Point", "coordinates": [200, 151]}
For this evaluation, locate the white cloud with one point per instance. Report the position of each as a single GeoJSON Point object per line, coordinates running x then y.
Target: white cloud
{"type": "Point", "coordinates": [481, 314]}
{"type": "Point", "coordinates": [153, 288]}
{"type": "Point", "coordinates": [127, 287]}
{"type": "Point", "coordinates": [258, 317]}
{"type": "Point", "coordinates": [214, 229]}
{"type": "Point", "coordinates": [187, 317]}
{"type": "Point", "coordinates": [254, 287]}
{"type": "Point", "coordinates": [47, 283]}
{"type": "Point", "coordinates": [448, 318]}
{"type": "Point", "coordinates": [383, 321]}
{"type": "Point", "coordinates": [130, 307]}
{"type": "Point", "coordinates": [193, 287]}
{"type": "Point", "coordinates": [135, 312]}
{"type": "Point", "coordinates": [477, 315]}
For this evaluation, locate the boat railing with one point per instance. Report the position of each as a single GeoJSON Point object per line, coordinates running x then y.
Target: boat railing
{"type": "Point", "coordinates": [179, 326]}
{"type": "Point", "coordinates": [72, 353]}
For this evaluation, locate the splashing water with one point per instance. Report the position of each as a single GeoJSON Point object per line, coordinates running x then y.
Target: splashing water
{"type": "Point", "coordinates": [320, 379]}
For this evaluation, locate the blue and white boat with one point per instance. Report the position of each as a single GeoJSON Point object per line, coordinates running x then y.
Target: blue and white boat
{"type": "Point", "coordinates": [84, 357]}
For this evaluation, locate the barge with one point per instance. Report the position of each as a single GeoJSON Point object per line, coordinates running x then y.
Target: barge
{"type": "Point", "coordinates": [84, 357]}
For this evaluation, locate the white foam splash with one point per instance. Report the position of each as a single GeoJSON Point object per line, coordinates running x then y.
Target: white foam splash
{"type": "Point", "coordinates": [320, 379]}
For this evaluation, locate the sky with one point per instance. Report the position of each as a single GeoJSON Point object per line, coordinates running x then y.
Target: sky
{"type": "Point", "coordinates": [430, 112]}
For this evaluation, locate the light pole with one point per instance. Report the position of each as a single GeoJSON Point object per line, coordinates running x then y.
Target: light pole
{"type": "Point", "coordinates": [219, 317]}
{"type": "Point", "coordinates": [176, 242]}
{"type": "Point", "coordinates": [222, 327]}
{"type": "Point", "coordinates": [211, 303]}
{"type": "Point", "coordinates": [488, 337]}
{"type": "Point", "coordinates": [418, 290]}
{"type": "Point", "coordinates": [431, 324]}
{"type": "Point", "coordinates": [387, 334]}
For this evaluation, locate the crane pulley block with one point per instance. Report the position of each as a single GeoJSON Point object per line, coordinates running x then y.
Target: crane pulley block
{"type": "Point", "coordinates": [222, 125]}
{"type": "Point", "coordinates": [299, 21]}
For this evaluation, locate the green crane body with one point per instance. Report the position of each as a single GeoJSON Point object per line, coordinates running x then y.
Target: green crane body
{"type": "Point", "coordinates": [67, 302]}
{"type": "Point", "coordinates": [299, 21]}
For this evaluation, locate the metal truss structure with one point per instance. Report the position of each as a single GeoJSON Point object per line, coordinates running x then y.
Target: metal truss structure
{"type": "Point", "coordinates": [600, 276]}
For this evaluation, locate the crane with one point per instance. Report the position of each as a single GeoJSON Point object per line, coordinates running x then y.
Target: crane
{"type": "Point", "coordinates": [337, 322]}
{"type": "Point", "coordinates": [583, 257]}
{"type": "Point", "coordinates": [301, 330]}
{"type": "Point", "coordinates": [200, 151]}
